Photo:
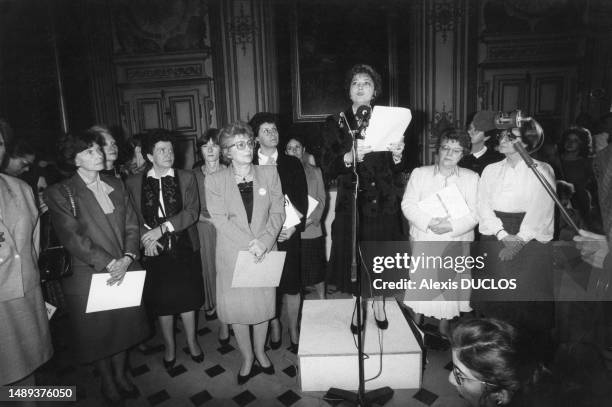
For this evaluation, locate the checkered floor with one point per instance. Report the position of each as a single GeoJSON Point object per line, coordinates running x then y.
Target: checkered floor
{"type": "Point", "coordinates": [213, 382]}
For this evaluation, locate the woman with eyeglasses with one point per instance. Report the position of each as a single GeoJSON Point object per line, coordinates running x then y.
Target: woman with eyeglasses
{"type": "Point", "coordinates": [246, 205]}
{"type": "Point", "coordinates": [516, 217]}
{"type": "Point", "coordinates": [210, 151]}
{"type": "Point", "coordinates": [496, 365]}
{"type": "Point", "coordinates": [430, 233]}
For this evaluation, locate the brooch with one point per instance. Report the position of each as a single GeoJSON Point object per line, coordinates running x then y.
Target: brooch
{"type": "Point", "coordinates": [262, 191]}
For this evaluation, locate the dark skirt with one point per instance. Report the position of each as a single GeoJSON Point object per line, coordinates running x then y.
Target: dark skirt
{"type": "Point", "coordinates": [373, 229]}
{"type": "Point", "coordinates": [530, 306]}
{"type": "Point", "coordinates": [174, 283]}
{"type": "Point", "coordinates": [99, 335]}
{"type": "Point", "coordinates": [291, 280]}
{"type": "Point", "coordinates": [313, 261]}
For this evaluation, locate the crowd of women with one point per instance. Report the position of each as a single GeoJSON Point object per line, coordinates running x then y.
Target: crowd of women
{"type": "Point", "coordinates": [187, 227]}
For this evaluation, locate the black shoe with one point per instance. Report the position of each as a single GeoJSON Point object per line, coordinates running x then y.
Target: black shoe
{"type": "Point", "coordinates": [210, 317]}
{"type": "Point", "coordinates": [293, 348]}
{"type": "Point", "coordinates": [355, 329]}
{"type": "Point", "coordinates": [169, 364]}
{"type": "Point", "coordinates": [224, 341]}
{"type": "Point", "coordinates": [243, 379]}
{"type": "Point", "coordinates": [267, 370]}
{"type": "Point", "coordinates": [129, 394]}
{"type": "Point", "coordinates": [384, 324]}
{"type": "Point", "coordinates": [199, 358]}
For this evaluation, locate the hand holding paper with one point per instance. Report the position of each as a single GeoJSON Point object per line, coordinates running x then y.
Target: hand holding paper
{"type": "Point", "coordinates": [387, 126]}
{"type": "Point", "coordinates": [292, 215]}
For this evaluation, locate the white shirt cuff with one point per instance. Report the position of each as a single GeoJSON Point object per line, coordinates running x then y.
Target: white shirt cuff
{"type": "Point", "coordinates": [169, 226]}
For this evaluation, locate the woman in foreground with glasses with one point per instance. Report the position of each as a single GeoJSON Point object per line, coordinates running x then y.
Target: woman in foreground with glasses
{"type": "Point", "coordinates": [246, 205]}
{"type": "Point", "coordinates": [431, 233]}
{"type": "Point", "coordinates": [494, 365]}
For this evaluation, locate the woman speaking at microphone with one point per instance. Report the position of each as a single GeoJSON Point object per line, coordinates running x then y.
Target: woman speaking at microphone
{"type": "Point", "coordinates": [380, 183]}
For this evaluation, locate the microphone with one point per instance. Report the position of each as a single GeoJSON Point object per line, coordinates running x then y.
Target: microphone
{"type": "Point", "coordinates": [363, 116]}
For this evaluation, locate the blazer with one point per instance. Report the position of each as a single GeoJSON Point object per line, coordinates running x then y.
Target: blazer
{"type": "Point", "coordinates": [91, 239]}
{"type": "Point", "coordinates": [380, 180]}
{"type": "Point", "coordinates": [293, 183]}
{"type": "Point", "coordinates": [229, 215]}
{"type": "Point", "coordinates": [185, 219]}
{"type": "Point", "coordinates": [24, 326]}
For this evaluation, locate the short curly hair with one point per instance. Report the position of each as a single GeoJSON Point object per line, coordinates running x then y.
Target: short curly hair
{"type": "Point", "coordinates": [364, 69]}
{"type": "Point", "coordinates": [584, 135]}
{"type": "Point", "coordinates": [153, 137]}
{"type": "Point", "coordinates": [260, 118]}
{"type": "Point", "coordinates": [462, 137]}
{"type": "Point", "coordinates": [231, 130]}
{"type": "Point", "coordinates": [73, 143]}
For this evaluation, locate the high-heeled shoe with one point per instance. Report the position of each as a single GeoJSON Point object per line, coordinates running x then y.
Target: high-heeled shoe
{"type": "Point", "coordinates": [276, 344]}
{"type": "Point", "coordinates": [267, 370]}
{"type": "Point", "coordinates": [210, 317]}
{"type": "Point", "coordinates": [223, 341]}
{"type": "Point", "coordinates": [382, 324]}
{"type": "Point", "coordinates": [243, 379]}
{"type": "Point", "coordinates": [197, 358]}
{"type": "Point", "coordinates": [294, 347]}
{"type": "Point", "coordinates": [169, 364]}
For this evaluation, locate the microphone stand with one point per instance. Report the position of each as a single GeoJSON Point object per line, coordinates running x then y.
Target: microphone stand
{"type": "Point", "coordinates": [549, 189]}
{"type": "Point", "coordinates": [384, 394]}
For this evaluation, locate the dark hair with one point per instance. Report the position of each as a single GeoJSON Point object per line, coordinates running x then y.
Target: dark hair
{"type": "Point", "coordinates": [7, 134]}
{"type": "Point", "coordinates": [261, 118]}
{"type": "Point", "coordinates": [73, 143]}
{"type": "Point", "coordinates": [21, 148]}
{"type": "Point", "coordinates": [153, 137]}
{"type": "Point", "coordinates": [364, 69]}
{"type": "Point", "coordinates": [498, 354]}
{"type": "Point", "coordinates": [211, 134]}
{"type": "Point", "coordinates": [462, 137]}
{"type": "Point", "coordinates": [586, 141]}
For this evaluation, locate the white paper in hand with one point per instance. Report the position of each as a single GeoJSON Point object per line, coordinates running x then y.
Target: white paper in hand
{"type": "Point", "coordinates": [103, 297]}
{"type": "Point", "coordinates": [292, 215]}
{"type": "Point", "coordinates": [312, 205]}
{"type": "Point", "coordinates": [387, 125]}
{"type": "Point", "coordinates": [266, 273]}
{"type": "Point", "coordinates": [447, 202]}
{"type": "Point", "coordinates": [50, 309]}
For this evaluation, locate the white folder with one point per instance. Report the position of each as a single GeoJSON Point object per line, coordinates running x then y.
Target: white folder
{"type": "Point", "coordinates": [266, 273]}
{"type": "Point", "coordinates": [103, 297]}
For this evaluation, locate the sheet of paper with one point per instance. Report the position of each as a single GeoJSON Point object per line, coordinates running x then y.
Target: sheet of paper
{"type": "Point", "coordinates": [103, 297]}
{"type": "Point", "coordinates": [446, 202]}
{"type": "Point", "coordinates": [50, 309]}
{"type": "Point", "coordinates": [292, 215]}
{"type": "Point", "coordinates": [387, 125]}
{"type": "Point", "coordinates": [266, 273]}
{"type": "Point", "coordinates": [312, 205]}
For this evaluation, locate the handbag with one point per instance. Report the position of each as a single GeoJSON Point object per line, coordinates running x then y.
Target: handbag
{"type": "Point", "coordinates": [55, 262]}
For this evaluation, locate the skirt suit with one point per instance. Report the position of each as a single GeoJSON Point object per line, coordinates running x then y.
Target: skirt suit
{"type": "Point", "coordinates": [174, 278]}
{"type": "Point", "coordinates": [94, 238]}
{"type": "Point", "coordinates": [234, 232]}
{"type": "Point", "coordinates": [24, 327]}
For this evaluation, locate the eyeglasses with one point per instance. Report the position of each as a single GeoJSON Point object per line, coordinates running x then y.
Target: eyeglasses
{"type": "Point", "coordinates": [241, 145]}
{"type": "Point", "coordinates": [269, 131]}
{"type": "Point", "coordinates": [460, 378]}
{"type": "Point", "coordinates": [507, 135]}
{"type": "Point", "coordinates": [449, 150]}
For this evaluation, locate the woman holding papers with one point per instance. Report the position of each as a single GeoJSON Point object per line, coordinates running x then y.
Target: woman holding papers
{"type": "Point", "coordinates": [313, 242]}
{"type": "Point", "coordinates": [380, 183]}
{"type": "Point", "coordinates": [246, 206]}
{"type": "Point", "coordinates": [96, 222]}
{"type": "Point", "coordinates": [295, 188]}
{"type": "Point", "coordinates": [433, 220]}
{"type": "Point", "coordinates": [25, 342]}
{"type": "Point", "coordinates": [166, 200]}
{"type": "Point", "coordinates": [211, 151]}
{"type": "Point", "coordinates": [516, 221]}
